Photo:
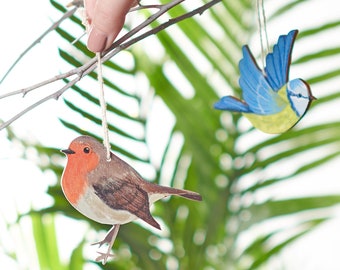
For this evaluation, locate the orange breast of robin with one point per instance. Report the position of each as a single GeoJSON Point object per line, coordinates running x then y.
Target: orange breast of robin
{"type": "Point", "coordinates": [74, 182]}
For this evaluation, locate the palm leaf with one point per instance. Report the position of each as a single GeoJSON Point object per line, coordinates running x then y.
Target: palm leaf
{"type": "Point", "coordinates": [221, 157]}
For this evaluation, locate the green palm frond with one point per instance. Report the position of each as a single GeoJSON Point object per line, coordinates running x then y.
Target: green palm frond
{"type": "Point", "coordinates": [234, 167]}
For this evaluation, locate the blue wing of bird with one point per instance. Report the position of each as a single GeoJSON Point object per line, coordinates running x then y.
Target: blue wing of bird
{"type": "Point", "coordinates": [278, 62]}
{"type": "Point", "coordinates": [257, 92]}
{"type": "Point", "coordinates": [230, 103]}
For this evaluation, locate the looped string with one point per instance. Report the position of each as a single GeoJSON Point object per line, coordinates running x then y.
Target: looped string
{"type": "Point", "coordinates": [103, 107]}
{"type": "Point", "coordinates": [262, 21]}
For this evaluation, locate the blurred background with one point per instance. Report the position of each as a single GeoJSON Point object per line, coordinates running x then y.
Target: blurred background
{"type": "Point", "coordinates": [270, 201]}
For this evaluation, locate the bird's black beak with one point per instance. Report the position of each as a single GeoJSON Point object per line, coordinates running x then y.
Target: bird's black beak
{"type": "Point", "coordinates": [67, 151]}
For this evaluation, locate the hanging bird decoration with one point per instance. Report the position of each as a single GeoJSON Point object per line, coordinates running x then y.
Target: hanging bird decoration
{"type": "Point", "coordinates": [110, 191]}
{"type": "Point", "coordinates": [271, 102]}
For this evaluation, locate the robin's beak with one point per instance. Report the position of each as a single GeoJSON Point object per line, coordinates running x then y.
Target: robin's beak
{"type": "Point", "coordinates": [67, 151]}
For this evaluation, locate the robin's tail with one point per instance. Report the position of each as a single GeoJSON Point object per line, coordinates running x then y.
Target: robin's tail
{"type": "Point", "coordinates": [160, 192]}
{"type": "Point", "coordinates": [187, 194]}
{"type": "Point", "coordinates": [155, 193]}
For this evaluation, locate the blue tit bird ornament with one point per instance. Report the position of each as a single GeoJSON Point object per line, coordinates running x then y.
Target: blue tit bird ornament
{"type": "Point", "coordinates": [272, 103]}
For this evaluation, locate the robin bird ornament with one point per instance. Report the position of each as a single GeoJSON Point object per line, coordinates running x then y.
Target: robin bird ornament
{"type": "Point", "coordinates": [272, 102]}
{"type": "Point", "coordinates": [110, 191]}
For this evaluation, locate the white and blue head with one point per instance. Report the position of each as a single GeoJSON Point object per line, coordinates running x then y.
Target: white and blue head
{"type": "Point", "coordinates": [299, 96]}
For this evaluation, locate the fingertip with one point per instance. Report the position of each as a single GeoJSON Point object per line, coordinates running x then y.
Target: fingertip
{"type": "Point", "coordinates": [97, 41]}
{"type": "Point", "coordinates": [107, 20]}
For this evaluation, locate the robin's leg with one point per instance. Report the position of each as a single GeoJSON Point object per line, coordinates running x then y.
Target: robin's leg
{"type": "Point", "coordinates": [109, 239]}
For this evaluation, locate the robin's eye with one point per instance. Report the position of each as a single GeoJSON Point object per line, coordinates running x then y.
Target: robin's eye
{"type": "Point", "coordinates": [86, 150]}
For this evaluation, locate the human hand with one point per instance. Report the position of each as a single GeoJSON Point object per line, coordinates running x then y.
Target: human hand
{"type": "Point", "coordinates": [105, 19]}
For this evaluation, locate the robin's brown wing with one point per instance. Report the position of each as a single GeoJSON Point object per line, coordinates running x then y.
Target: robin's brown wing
{"type": "Point", "coordinates": [124, 195]}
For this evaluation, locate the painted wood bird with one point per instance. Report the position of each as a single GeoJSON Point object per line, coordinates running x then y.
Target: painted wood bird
{"type": "Point", "coordinates": [271, 102]}
{"type": "Point", "coordinates": [110, 191]}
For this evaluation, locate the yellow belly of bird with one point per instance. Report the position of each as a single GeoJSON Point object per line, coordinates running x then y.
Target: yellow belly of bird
{"type": "Point", "coordinates": [274, 123]}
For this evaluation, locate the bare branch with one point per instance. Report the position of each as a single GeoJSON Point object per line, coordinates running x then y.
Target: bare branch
{"type": "Point", "coordinates": [38, 40]}
{"type": "Point", "coordinates": [119, 45]}
{"type": "Point", "coordinates": [26, 90]}
{"type": "Point", "coordinates": [55, 95]}
{"type": "Point", "coordinates": [161, 27]}
{"type": "Point", "coordinates": [92, 64]}
{"type": "Point", "coordinates": [140, 7]}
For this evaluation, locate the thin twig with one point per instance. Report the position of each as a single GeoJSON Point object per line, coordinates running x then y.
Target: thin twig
{"type": "Point", "coordinates": [163, 9]}
{"type": "Point", "coordinates": [55, 95]}
{"type": "Point", "coordinates": [121, 44]}
{"type": "Point", "coordinates": [38, 40]}
{"type": "Point", "coordinates": [92, 64]}
{"type": "Point", "coordinates": [26, 90]}
{"type": "Point", "coordinates": [159, 28]}
{"type": "Point", "coordinates": [140, 7]}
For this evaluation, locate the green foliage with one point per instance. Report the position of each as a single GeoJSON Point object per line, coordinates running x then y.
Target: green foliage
{"type": "Point", "coordinates": [220, 157]}
{"type": "Point", "coordinates": [46, 242]}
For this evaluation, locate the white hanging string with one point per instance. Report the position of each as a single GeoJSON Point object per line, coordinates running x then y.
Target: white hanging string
{"type": "Point", "coordinates": [103, 107]}
{"type": "Point", "coordinates": [262, 21]}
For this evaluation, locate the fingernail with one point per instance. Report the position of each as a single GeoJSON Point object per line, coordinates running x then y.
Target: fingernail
{"type": "Point", "coordinates": [96, 41]}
